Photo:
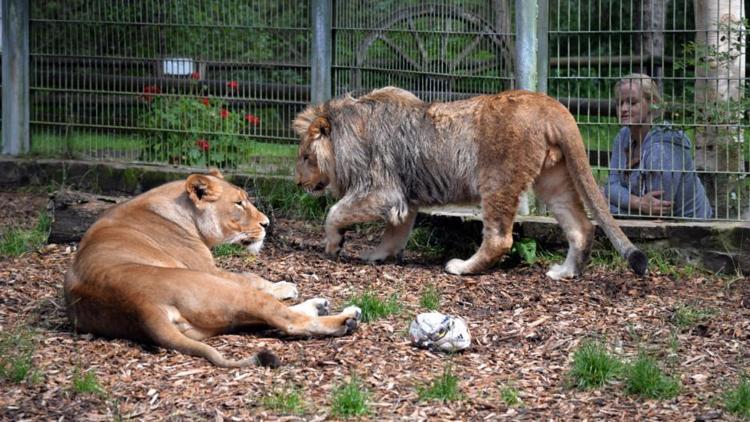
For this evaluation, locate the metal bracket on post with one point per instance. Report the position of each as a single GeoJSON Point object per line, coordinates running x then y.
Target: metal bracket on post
{"type": "Point", "coordinates": [15, 44]}
{"type": "Point", "coordinates": [526, 60]}
{"type": "Point", "coordinates": [321, 52]}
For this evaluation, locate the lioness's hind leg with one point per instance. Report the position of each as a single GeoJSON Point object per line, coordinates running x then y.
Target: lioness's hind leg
{"type": "Point", "coordinates": [555, 187]}
{"type": "Point", "coordinates": [394, 240]}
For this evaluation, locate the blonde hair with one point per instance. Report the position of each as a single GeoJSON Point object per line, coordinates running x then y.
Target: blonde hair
{"type": "Point", "coordinates": [649, 89]}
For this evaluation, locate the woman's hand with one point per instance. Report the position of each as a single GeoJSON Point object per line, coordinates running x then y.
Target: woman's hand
{"type": "Point", "coordinates": [650, 204]}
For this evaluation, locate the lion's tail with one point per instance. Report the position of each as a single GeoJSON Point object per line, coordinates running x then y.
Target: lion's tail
{"type": "Point", "coordinates": [583, 178]}
{"type": "Point", "coordinates": [165, 334]}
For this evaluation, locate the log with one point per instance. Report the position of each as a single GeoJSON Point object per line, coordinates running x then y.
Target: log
{"type": "Point", "coordinates": [74, 212]}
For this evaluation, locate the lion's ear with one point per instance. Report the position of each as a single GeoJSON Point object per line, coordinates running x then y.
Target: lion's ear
{"type": "Point", "coordinates": [202, 189]}
{"type": "Point", "coordinates": [320, 127]}
{"type": "Point", "coordinates": [213, 171]}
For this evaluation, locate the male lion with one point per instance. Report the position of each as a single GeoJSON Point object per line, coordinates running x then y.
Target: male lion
{"type": "Point", "coordinates": [144, 271]}
{"type": "Point", "coordinates": [387, 153]}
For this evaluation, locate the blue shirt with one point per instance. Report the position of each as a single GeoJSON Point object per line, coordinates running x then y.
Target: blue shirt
{"type": "Point", "coordinates": [666, 164]}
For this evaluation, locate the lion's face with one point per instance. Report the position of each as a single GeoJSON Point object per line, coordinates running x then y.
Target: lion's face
{"type": "Point", "coordinates": [225, 212]}
{"type": "Point", "coordinates": [315, 157]}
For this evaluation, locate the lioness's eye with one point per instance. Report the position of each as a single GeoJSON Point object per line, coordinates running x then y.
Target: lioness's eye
{"type": "Point", "coordinates": [238, 203]}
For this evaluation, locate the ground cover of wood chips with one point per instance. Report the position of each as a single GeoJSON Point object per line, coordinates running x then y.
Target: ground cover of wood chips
{"type": "Point", "coordinates": [525, 329]}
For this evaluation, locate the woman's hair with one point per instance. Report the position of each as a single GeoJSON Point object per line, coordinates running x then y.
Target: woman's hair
{"type": "Point", "coordinates": [649, 89]}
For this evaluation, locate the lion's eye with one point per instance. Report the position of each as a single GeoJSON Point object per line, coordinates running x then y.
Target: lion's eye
{"type": "Point", "coordinates": [306, 157]}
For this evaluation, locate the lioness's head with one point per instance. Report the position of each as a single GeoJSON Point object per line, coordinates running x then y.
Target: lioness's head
{"type": "Point", "coordinates": [314, 171]}
{"type": "Point", "coordinates": [225, 213]}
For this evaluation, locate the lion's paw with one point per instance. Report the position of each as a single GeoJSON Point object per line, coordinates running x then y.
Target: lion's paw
{"type": "Point", "coordinates": [314, 307]}
{"type": "Point", "coordinates": [456, 266]}
{"type": "Point", "coordinates": [557, 272]}
{"type": "Point", "coordinates": [374, 256]}
{"type": "Point", "coordinates": [284, 290]}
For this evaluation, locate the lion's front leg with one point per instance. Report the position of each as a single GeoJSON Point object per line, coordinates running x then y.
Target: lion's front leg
{"type": "Point", "coordinates": [343, 214]}
{"type": "Point", "coordinates": [396, 234]}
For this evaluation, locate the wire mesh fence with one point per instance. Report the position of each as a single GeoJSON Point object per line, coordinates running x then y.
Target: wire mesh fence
{"type": "Point", "coordinates": [195, 83]}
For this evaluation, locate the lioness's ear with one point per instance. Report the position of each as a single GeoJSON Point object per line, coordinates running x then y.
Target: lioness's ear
{"type": "Point", "coordinates": [320, 127]}
{"type": "Point", "coordinates": [213, 171]}
{"type": "Point", "coordinates": [202, 189]}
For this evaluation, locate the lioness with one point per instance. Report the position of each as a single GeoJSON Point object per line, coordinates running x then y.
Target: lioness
{"type": "Point", "coordinates": [387, 153]}
{"type": "Point", "coordinates": [144, 271]}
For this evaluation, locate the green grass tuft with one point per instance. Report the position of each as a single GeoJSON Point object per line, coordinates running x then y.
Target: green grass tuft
{"type": "Point", "coordinates": [374, 308]}
{"type": "Point", "coordinates": [593, 366]}
{"type": "Point", "coordinates": [86, 382]}
{"type": "Point", "coordinates": [444, 388]}
{"type": "Point", "coordinates": [16, 350]}
{"type": "Point", "coordinates": [424, 240]}
{"type": "Point", "coordinates": [737, 400]}
{"type": "Point", "coordinates": [286, 401]}
{"type": "Point", "coordinates": [229, 250]}
{"type": "Point", "coordinates": [430, 298]}
{"type": "Point", "coordinates": [15, 241]}
{"type": "Point", "coordinates": [285, 199]}
{"type": "Point", "coordinates": [509, 396]}
{"type": "Point", "coordinates": [350, 399]}
{"type": "Point", "coordinates": [685, 316]}
{"type": "Point", "coordinates": [644, 378]}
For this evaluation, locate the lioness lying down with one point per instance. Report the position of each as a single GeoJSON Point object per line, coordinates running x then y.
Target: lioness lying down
{"type": "Point", "coordinates": [387, 153]}
{"type": "Point", "coordinates": [144, 271]}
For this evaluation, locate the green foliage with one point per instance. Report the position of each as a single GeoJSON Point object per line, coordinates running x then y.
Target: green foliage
{"type": "Point", "coordinates": [424, 240]}
{"type": "Point", "coordinates": [686, 316]}
{"type": "Point", "coordinates": [444, 387]}
{"type": "Point", "coordinates": [608, 258]}
{"type": "Point", "coordinates": [228, 250]}
{"type": "Point", "coordinates": [525, 249]}
{"type": "Point", "coordinates": [282, 197]}
{"type": "Point", "coordinates": [17, 241]}
{"type": "Point", "coordinates": [509, 396]}
{"type": "Point", "coordinates": [593, 366]}
{"type": "Point", "coordinates": [644, 378]}
{"type": "Point", "coordinates": [737, 399]}
{"type": "Point", "coordinates": [86, 382]}
{"type": "Point", "coordinates": [16, 351]}
{"type": "Point", "coordinates": [430, 298]}
{"type": "Point", "coordinates": [286, 401]}
{"type": "Point", "coordinates": [350, 399]}
{"type": "Point", "coordinates": [373, 307]}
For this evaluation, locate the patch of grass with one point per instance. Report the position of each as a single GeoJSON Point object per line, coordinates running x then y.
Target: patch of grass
{"type": "Point", "coordinates": [737, 399]}
{"type": "Point", "coordinates": [607, 258]}
{"type": "Point", "coordinates": [286, 401]}
{"type": "Point", "coordinates": [282, 197]}
{"type": "Point", "coordinates": [350, 399]}
{"type": "Point", "coordinates": [548, 257]}
{"type": "Point", "coordinates": [686, 317]}
{"type": "Point", "coordinates": [373, 307]}
{"type": "Point", "coordinates": [444, 387]}
{"type": "Point", "coordinates": [15, 241]}
{"type": "Point", "coordinates": [593, 366]}
{"type": "Point", "coordinates": [424, 241]}
{"type": "Point", "coordinates": [525, 249]}
{"type": "Point", "coordinates": [86, 382]}
{"type": "Point", "coordinates": [228, 250]}
{"type": "Point", "coordinates": [16, 350]}
{"type": "Point", "coordinates": [644, 378]}
{"type": "Point", "coordinates": [430, 298]}
{"type": "Point", "coordinates": [509, 396]}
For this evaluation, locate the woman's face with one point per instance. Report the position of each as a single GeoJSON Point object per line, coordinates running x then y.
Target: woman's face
{"type": "Point", "coordinates": [632, 107]}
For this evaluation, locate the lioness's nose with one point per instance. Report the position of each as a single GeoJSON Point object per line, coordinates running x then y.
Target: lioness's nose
{"type": "Point", "coordinates": [264, 224]}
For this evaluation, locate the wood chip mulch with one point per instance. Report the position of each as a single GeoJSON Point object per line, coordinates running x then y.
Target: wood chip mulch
{"type": "Point", "coordinates": [525, 328]}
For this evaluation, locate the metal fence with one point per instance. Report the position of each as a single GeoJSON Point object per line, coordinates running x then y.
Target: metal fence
{"type": "Point", "coordinates": [195, 83]}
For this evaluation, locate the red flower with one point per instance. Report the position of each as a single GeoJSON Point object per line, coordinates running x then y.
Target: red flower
{"type": "Point", "coordinates": [252, 119]}
{"type": "Point", "coordinates": [195, 75]}
{"type": "Point", "coordinates": [202, 144]}
{"type": "Point", "coordinates": [148, 92]}
{"type": "Point", "coordinates": [233, 84]}
{"type": "Point", "coordinates": [224, 113]}
{"type": "Point", "coordinates": [205, 101]}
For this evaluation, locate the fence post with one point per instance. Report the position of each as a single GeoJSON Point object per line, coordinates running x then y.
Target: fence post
{"type": "Point", "coordinates": [321, 52]}
{"type": "Point", "coordinates": [526, 60]}
{"type": "Point", "coordinates": [542, 33]}
{"type": "Point", "coordinates": [15, 45]}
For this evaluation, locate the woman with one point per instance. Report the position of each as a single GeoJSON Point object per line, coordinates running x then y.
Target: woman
{"type": "Point", "coordinates": [652, 170]}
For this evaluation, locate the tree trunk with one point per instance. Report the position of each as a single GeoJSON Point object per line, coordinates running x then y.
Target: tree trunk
{"type": "Point", "coordinates": [720, 72]}
{"type": "Point", "coordinates": [74, 212]}
{"type": "Point", "coordinates": [649, 39]}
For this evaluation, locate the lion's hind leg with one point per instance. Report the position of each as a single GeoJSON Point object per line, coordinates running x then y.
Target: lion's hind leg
{"type": "Point", "coordinates": [555, 187]}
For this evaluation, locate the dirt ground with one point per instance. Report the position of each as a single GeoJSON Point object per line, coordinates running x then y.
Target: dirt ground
{"type": "Point", "coordinates": [525, 328]}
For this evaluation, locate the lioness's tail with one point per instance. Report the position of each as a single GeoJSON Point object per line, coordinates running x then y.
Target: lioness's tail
{"type": "Point", "coordinates": [164, 333]}
{"type": "Point", "coordinates": [583, 178]}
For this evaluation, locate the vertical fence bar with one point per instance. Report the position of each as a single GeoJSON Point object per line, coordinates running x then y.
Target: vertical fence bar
{"type": "Point", "coordinates": [15, 76]}
{"type": "Point", "coordinates": [543, 42]}
{"type": "Point", "coordinates": [526, 59]}
{"type": "Point", "coordinates": [321, 50]}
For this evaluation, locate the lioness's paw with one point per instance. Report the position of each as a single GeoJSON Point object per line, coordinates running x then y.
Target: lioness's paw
{"type": "Point", "coordinates": [354, 314]}
{"type": "Point", "coordinates": [557, 272]}
{"type": "Point", "coordinates": [314, 307]}
{"type": "Point", "coordinates": [456, 266]}
{"type": "Point", "coordinates": [284, 290]}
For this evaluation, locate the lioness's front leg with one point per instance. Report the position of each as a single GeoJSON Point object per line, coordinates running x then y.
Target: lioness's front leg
{"type": "Point", "coordinates": [281, 290]}
{"type": "Point", "coordinates": [348, 211]}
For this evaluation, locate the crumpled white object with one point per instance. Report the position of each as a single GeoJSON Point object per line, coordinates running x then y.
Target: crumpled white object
{"type": "Point", "coordinates": [437, 331]}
